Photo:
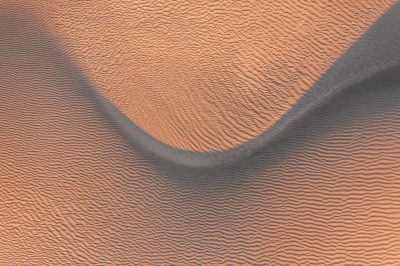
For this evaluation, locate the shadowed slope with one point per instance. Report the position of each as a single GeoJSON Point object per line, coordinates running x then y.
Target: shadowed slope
{"type": "Point", "coordinates": [73, 192]}
{"type": "Point", "coordinates": [202, 76]}
{"type": "Point", "coordinates": [375, 51]}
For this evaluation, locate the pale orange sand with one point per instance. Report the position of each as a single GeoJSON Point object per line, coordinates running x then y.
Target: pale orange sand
{"type": "Point", "coordinates": [74, 192]}
{"type": "Point", "coordinates": [206, 76]}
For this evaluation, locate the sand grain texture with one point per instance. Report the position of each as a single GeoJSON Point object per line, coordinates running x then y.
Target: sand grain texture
{"type": "Point", "coordinates": [206, 76]}
{"type": "Point", "coordinates": [73, 191]}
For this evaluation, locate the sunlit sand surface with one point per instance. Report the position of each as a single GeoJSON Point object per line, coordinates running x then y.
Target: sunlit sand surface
{"type": "Point", "coordinates": [206, 76]}
{"type": "Point", "coordinates": [73, 191]}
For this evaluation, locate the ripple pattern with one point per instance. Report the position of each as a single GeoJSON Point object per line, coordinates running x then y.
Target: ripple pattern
{"type": "Point", "coordinates": [74, 192]}
{"type": "Point", "coordinates": [206, 76]}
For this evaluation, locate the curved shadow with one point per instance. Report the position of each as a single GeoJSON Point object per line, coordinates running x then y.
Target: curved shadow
{"type": "Point", "coordinates": [375, 52]}
{"type": "Point", "coordinates": [372, 57]}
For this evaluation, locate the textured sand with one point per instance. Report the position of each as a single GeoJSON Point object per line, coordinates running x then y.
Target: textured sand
{"type": "Point", "coordinates": [206, 76]}
{"type": "Point", "coordinates": [73, 191]}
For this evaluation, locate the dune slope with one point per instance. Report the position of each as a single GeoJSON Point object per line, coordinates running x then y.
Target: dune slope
{"type": "Point", "coordinates": [74, 191]}
{"type": "Point", "coordinates": [206, 76]}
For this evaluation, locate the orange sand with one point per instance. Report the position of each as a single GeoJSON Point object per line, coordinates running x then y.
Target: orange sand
{"type": "Point", "coordinates": [203, 75]}
{"type": "Point", "coordinates": [74, 193]}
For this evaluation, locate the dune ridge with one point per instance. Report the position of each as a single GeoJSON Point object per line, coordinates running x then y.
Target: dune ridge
{"type": "Point", "coordinates": [206, 77]}
{"type": "Point", "coordinates": [73, 191]}
{"type": "Point", "coordinates": [374, 53]}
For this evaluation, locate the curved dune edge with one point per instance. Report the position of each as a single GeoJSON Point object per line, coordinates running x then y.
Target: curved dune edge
{"type": "Point", "coordinates": [375, 52]}
{"type": "Point", "coordinates": [233, 83]}
{"type": "Point", "coordinates": [302, 108]}
{"type": "Point", "coordinates": [73, 192]}
{"type": "Point", "coordinates": [355, 66]}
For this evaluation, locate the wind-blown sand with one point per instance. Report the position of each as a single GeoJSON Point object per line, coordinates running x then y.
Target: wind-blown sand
{"type": "Point", "coordinates": [201, 76]}
{"type": "Point", "coordinates": [74, 191]}
{"type": "Point", "coordinates": [364, 58]}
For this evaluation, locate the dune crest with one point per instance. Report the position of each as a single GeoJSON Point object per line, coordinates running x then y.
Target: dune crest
{"type": "Point", "coordinates": [206, 77]}
{"type": "Point", "coordinates": [74, 192]}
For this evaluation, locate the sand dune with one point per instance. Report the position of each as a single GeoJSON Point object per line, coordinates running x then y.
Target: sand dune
{"type": "Point", "coordinates": [76, 189]}
{"type": "Point", "coordinates": [203, 76]}
{"type": "Point", "coordinates": [151, 129]}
